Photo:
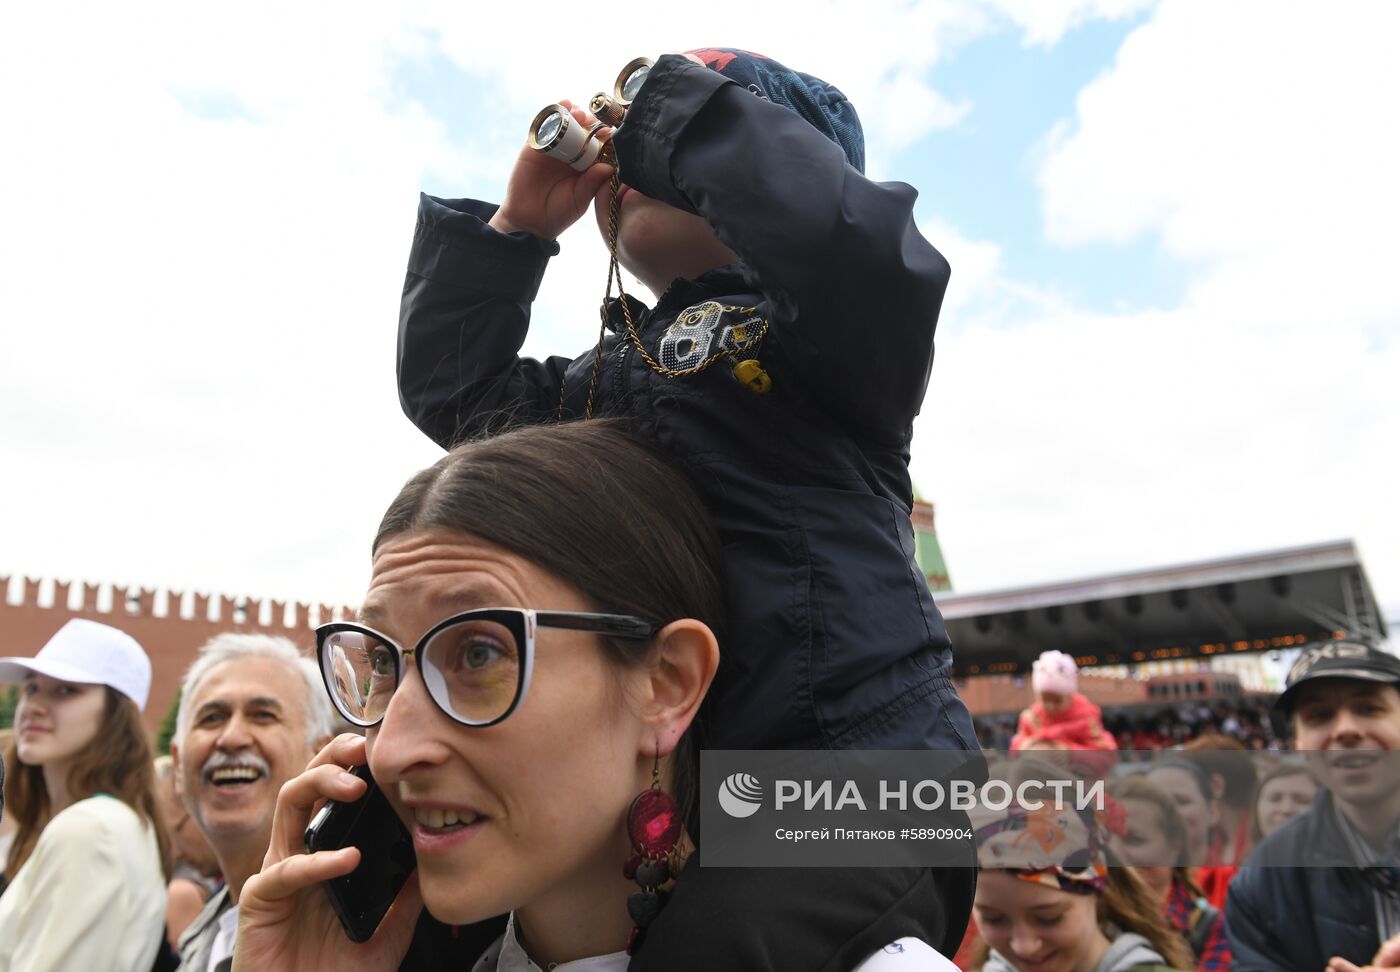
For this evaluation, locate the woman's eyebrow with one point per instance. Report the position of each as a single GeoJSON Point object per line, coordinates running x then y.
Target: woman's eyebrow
{"type": "Point", "coordinates": [467, 597]}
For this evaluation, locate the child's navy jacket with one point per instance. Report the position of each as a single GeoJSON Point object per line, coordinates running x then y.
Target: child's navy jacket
{"type": "Point", "coordinates": [833, 638]}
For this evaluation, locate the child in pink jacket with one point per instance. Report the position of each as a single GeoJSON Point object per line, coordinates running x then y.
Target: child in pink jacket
{"type": "Point", "coordinates": [1061, 717]}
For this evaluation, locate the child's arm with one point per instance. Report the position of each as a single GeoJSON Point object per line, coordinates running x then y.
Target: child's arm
{"type": "Point", "coordinates": [1025, 730]}
{"type": "Point", "coordinates": [473, 272]}
{"type": "Point", "coordinates": [829, 249]}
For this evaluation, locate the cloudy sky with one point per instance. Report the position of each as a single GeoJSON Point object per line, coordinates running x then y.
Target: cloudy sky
{"type": "Point", "coordinates": [1173, 331]}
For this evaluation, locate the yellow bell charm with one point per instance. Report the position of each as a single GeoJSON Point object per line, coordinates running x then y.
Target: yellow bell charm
{"type": "Point", "coordinates": [751, 374]}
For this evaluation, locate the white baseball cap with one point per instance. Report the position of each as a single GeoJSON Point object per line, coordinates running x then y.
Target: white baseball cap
{"type": "Point", "coordinates": [91, 654]}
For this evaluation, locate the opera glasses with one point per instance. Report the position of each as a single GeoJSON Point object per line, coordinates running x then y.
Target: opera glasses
{"type": "Point", "coordinates": [558, 135]}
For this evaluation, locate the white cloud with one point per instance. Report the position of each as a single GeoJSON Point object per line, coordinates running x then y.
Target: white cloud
{"type": "Point", "coordinates": [880, 56]}
{"type": "Point", "coordinates": [1261, 411]}
{"type": "Point", "coordinates": [1249, 134]}
{"type": "Point", "coordinates": [981, 292]}
{"type": "Point", "coordinates": [207, 214]}
{"type": "Point", "coordinates": [199, 341]}
{"type": "Point", "coordinates": [977, 267]}
{"type": "Point", "coordinates": [1044, 22]}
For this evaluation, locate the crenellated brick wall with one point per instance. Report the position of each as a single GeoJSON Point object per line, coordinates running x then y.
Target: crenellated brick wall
{"type": "Point", "coordinates": [170, 625]}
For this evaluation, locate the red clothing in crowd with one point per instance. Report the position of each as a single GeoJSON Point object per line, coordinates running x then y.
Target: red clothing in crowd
{"type": "Point", "coordinates": [1078, 727]}
{"type": "Point", "coordinates": [1214, 878]}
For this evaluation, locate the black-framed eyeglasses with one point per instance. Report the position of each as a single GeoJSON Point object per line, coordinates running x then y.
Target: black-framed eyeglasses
{"type": "Point", "coordinates": [476, 665]}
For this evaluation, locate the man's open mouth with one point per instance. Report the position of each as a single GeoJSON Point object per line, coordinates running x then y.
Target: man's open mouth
{"type": "Point", "coordinates": [1354, 761]}
{"type": "Point", "coordinates": [233, 776]}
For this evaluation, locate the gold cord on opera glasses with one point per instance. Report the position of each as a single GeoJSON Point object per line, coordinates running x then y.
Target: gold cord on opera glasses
{"type": "Point", "coordinates": [557, 134]}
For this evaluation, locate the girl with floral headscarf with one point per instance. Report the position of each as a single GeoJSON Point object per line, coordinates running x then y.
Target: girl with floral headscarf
{"type": "Point", "coordinates": [1047, 901]}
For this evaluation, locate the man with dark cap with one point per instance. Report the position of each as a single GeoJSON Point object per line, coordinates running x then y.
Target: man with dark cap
{"type": "Point", "coordinates": [781, 369]}
{"type": "Point", "coordinates": [1323, 891]}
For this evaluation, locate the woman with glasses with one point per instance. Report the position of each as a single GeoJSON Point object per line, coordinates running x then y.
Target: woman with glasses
{"type": "Point", "coordinates": [530, 665]}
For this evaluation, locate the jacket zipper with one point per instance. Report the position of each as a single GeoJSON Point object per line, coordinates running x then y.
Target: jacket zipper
{"type": "Point", "coordinates": [620, 368]}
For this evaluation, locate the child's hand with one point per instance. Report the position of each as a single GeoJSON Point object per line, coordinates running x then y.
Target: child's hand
{"type": "Point", "coordinates": [546, 196]}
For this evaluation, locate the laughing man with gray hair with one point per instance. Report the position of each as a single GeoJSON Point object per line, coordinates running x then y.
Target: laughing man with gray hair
{"type": "Point", "coordinates": [252, 713]}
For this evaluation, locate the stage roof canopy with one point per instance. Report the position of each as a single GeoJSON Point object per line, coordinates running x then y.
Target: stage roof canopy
{"type": "Point", "coordinates": [1256, 602]}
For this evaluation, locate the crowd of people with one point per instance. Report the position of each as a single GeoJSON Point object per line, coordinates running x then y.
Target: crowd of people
{"type": "Point", "coordinates": [693, 536]}
{"type": "Point", "coordinates": [1272, 860]}
{"type": "Point", "coordinates": [176, 845]}
{"type": "Point", "coordinates": [1152, 726]}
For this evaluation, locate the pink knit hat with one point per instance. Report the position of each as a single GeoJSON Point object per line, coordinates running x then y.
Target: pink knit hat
{"type": "Point", "coordinates": [1056, 672]}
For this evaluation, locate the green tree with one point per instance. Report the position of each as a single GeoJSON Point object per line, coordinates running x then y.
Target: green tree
{"type": "Point", "coordinates": [9, 701]}
{"type": "Point", "coordinates": [166, 732]}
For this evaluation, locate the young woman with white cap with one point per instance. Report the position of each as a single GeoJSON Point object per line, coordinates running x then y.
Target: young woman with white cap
{"type": "Point", "coordinates": [86, 872]}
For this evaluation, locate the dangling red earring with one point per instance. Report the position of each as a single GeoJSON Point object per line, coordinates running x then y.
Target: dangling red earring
{"type": "Point", "coordinates": [653, 827]}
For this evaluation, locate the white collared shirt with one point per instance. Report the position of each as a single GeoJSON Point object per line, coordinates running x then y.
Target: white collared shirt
{"type": "Point", "coordinates": [507, 955]}
{"type": "Point", "coordinates": [224, 938]}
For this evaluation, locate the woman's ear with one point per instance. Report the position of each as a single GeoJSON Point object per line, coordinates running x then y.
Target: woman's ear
{"type": "Point", "coordinates": [687, 657]}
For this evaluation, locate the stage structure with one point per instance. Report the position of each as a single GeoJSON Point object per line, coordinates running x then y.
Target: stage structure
{"type": "Point", "coordinates": [1223, 608]}
{"type": "Point", "coordinates": [1271, 601]}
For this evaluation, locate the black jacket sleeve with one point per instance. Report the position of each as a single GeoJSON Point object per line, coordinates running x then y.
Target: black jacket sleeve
{"type": "Point", "coordinates": [854, 286]}
{"type": "Point", "coordinates": [1253, 948]}
{"type": "Point", "coordinates": [462, 321]}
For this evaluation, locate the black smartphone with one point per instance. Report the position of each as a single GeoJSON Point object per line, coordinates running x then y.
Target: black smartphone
{"type": "Point", "coordinates": [362, 897]}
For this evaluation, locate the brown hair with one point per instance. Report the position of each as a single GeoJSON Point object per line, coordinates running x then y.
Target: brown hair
{"type": "Point", "coordinates": [1283, 769]}
{"type": "Point", "coordinates": [1125, 900]}
{"type": "Point", "coordinates": [1139, 787]}
{"type": "Point", "coordinates": [118, 762]}
{"type": "Point", "coordinates": [1227, 758]}
{"type": "Point", "coordinates": [1127, 903]}
{"type": "Point", "coordinates": [596, 507]}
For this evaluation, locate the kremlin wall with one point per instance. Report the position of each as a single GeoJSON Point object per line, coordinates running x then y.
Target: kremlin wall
{"type": "Point", "coordinates": [170, 625]}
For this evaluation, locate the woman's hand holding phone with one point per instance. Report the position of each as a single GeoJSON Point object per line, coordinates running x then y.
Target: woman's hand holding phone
{"type": "Point", "coordinates": [285, 920]}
